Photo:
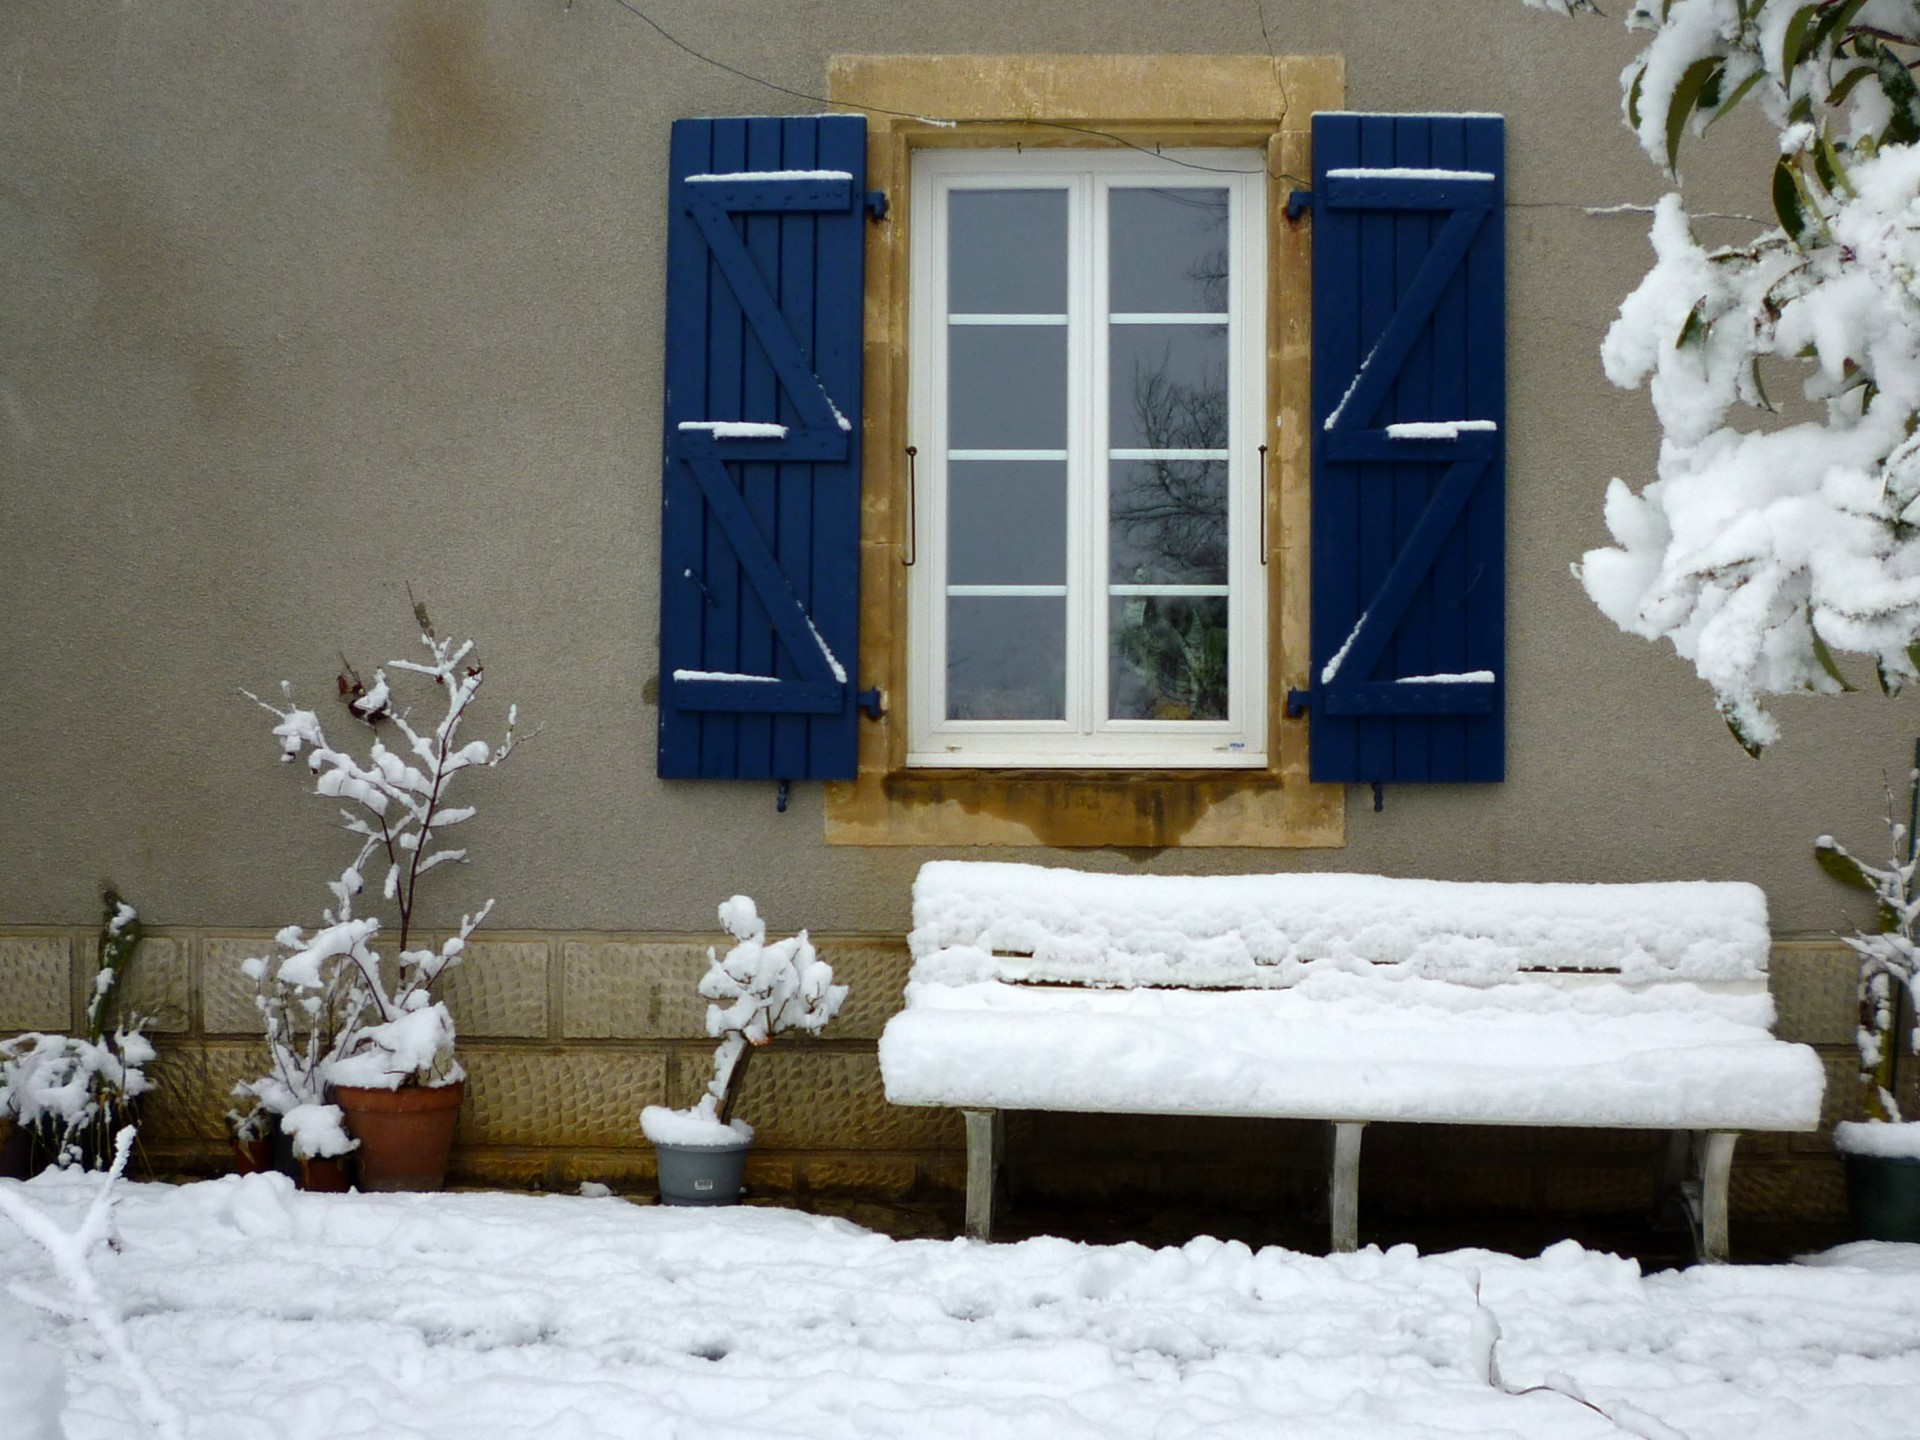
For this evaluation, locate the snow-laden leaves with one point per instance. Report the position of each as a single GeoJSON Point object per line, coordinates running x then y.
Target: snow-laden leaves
{"type": "Point", "coordinates": [1764, 551]}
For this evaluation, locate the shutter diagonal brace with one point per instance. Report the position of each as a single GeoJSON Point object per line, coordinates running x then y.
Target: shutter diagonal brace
{"type": "Point", "coordinates": [1382, 365]}
{"type": "Point", "coordinates": [1396, 593]}
{"type": "Point", "coordinates": [790, 367]}
{"type": "Point", "coordinates": [784, 611]}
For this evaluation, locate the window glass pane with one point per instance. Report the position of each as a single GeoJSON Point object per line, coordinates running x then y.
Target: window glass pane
{"type": "Point", "coordinates": [1168, 657]}
{"type": "Point", "coordinates": [1006, 657]}
{"type": "Point", "coordinates": [1007, 252]}
{"type": "Point", "coordinates": [1167, 251]}
{"type": "Point", "coordinates": [1169, 387]}
{"type": "Point", "coordinates": [1007, 387]}
{"type": "Point", "coordinates": [1167, 522]}
{"type": "Point", "coordinates": [1007, 522]}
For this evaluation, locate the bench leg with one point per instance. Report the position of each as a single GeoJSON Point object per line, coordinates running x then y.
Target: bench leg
{"type": "Point", "coordinates": [1698, 1166]}
{"type": "Point", "coordinates": [1716, 1167]}
{"type": "Point", "coordinates": [1343, 1186]}
{"type": "Point", "coordinates": [983, 1170]}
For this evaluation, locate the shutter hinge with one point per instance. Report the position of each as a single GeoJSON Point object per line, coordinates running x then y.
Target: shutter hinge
{"type": "Point", "coordinates": [1298, 703]}
{"type": "Point", "coordinates": [876, 203]}
{"type": "Point", "coordinates": [1298, 201]}
{"type": "Point", "coordinates": [874, 702]}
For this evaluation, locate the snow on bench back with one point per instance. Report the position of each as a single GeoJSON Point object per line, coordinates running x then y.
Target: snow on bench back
{"type": "Point", "coordinates": [980, 921]}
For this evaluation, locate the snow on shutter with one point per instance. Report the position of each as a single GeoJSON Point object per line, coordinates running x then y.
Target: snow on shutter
{"type": "Point", "coordinates": [1409, 419]}
{"type": "Point", "coordinates": [760, 552]}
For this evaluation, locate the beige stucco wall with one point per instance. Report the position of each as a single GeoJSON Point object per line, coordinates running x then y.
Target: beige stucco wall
{"type": "Point", "coordinates": [303, 303]}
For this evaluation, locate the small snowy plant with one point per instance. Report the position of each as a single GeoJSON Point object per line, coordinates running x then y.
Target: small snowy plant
{"type": "Point", "coordinates": [1889, 975]}
{"type": "Point", "coordinates": [77, 1091]}
{"type": "Point", "coordinates": [759, 991]}
{"type": "Point", "coordinates": [334, 1012]}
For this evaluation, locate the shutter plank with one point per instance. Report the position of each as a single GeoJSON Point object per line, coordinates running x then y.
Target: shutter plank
{"type": "Point", "coordinates": [839, 265]}
{"type": "Point", "coordinates": [1412, 648]}
{"type": "Point", "coordinates": [683, 589]}
{"type": "Point", "coordinates": [1486, 525]}
{"type": "Point", "coordinates": [726, 347]}
{"type": "Point", "coordinates": [1380, 297]}
{"type": "Point", "coordinates": [1446, 734]}
{"type": "Point", "coordinates": [791, 520]}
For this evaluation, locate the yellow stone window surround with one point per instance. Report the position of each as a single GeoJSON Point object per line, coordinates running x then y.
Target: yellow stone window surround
{"type": "Point", "coordinates": [1256, 102]}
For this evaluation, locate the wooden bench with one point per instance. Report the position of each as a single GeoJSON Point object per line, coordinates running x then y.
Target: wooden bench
{"type": "Point", "coordinates": [1348, 999]}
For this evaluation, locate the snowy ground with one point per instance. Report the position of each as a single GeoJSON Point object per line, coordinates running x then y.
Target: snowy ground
{"type": "Point", "coordinates": [262, 1312]}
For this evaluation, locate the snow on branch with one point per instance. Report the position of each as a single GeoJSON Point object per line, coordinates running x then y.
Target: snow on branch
{"type": "Point", "coordinates": [1764, 551]}
{"type": "Point", "coordinates": [71, 1254]}
{"type": "Point", "coordinates": [759, 991]}
{"type": "Point", "coordinates": [332, 1013]}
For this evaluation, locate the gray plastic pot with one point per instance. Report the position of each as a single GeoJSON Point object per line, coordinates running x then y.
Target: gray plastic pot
{"type": "Point", "coordinates": [701, 1174]}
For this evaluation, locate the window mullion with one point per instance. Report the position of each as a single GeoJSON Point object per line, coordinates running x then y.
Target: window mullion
{"type": "Point", "coordinates": [1082, 350]}
{"type": "Point", "coordinates": [1091, 393]}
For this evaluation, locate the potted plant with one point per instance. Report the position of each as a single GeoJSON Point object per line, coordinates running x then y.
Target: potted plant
{"type": "Point", "coordinates": [363, 1055]}
{"type": "Point", "coordinates": [72, 1093]}
{"type": "Point", "coordinates": [759, 991]}
{"type": "Point", "coordinates": [1883, 1151]}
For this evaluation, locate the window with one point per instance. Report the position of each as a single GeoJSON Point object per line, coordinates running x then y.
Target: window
{"type": "Point", "coordinates": [998, 121]}
{"type": "Point", "coordinates": [1087, 377]}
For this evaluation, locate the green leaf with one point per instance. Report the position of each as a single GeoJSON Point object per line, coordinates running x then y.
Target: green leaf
{"type": "Point", "coordinates": [1633, 97]}
{"type": "Point", "coordinates": [1842, 88]}
{"type": "Point", "coordinates": [1903, 96]}
{"type": "Point", "coordinates": [1794, 42]}
{"type": "Point", "coordinates": [1828, 165]}
{"type": "Point", "coordinates": [1825, 657]}
{"type": "Point", "coordinates": [1686, 95]}
{"type": "Point", "coordinates": [1752, 746]}
{"type": "Point", "coordinates": [1788, 201]}
{"type": "Point", "coordinates": [1833, 21]}
{"type": "Point", "coordinates": [1694, 331]}
{"type": "Point", "coordinates": [1892, 682]}
{"type": "Point", "coordinates": [1739, 94]}
{"type": "Point", "coordinates": [1828, 855]}
{"type": "Point", "coordinates": [1760, 389]}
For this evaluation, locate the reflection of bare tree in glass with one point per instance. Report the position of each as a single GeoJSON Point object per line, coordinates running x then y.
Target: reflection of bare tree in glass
{"type": "Point", "coordinates": [1173, 513]}
{"type": "Point", "coordinates": [1171, 517]}
{"type": "Point", "coordinates": [1209, 276]}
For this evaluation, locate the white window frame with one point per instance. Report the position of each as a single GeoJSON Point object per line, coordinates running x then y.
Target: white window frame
{"type": "Point", "coordinates": [1085, 738]}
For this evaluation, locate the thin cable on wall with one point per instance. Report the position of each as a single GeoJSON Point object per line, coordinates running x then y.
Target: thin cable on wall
{"type": "Point", "coordinates": [809, 96]}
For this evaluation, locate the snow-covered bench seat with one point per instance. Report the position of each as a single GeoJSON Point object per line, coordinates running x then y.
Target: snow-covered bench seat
{"type": "Point", "coordinates": [1349, 999]}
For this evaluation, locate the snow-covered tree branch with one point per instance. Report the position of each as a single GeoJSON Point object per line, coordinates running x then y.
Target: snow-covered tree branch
{"type": "Point", "coordinates": [759, 991]}
{"type": "Point", "coordinates": [71, 1254]}
{"type": "Point", "coordinates": [1765, 550]}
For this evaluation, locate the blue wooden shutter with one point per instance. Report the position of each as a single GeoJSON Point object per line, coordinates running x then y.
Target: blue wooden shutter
{"type": "Point", "coordinates": [1409, 420]}
{"type": "Point", "coordinates": [760, 532]}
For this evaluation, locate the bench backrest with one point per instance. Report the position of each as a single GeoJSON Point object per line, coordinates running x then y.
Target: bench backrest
{"type": "Point", "coordinates": [981, 920]}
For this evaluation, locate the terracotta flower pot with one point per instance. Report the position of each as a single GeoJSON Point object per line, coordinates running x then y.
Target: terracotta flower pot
{"type": "Point", "coordinates": [251, 1157]}
{"type": "Point", "coordinates": [328, 1176]}
{"type": "Point", "coordinates": [16, 1150]}
{"type": "Point", "coordinates": [405, 1135]}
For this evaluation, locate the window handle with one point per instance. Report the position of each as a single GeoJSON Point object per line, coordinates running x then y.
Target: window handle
{"type": "Point", "coordinates": [1263, 504]}
{"type": "Point", "coordinates": [913, 508]}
